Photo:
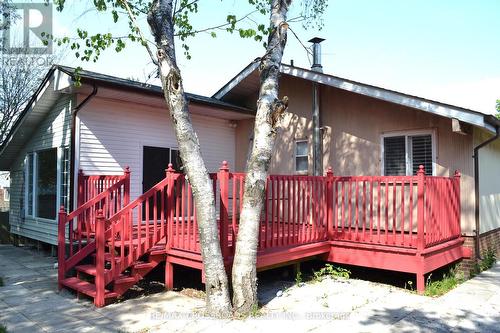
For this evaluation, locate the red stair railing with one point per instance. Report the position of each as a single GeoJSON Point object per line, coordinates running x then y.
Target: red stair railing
{"type": "Point", "coordinates": [76, 230]}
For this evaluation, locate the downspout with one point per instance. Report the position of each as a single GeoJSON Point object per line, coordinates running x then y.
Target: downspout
{"type": "Point", "coordinates": [316, 120]}
{"type": "Point", "coordinates": [73, 143]}
{"type": "Point", "coordinates": [476, 187]}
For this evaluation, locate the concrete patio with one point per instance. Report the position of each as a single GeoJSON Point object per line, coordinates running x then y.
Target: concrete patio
{"type": "Point", "coordinates": [30, 302]}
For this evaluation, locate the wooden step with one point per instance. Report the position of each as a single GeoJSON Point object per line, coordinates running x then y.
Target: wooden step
{"type": "Point", "coordinates": [143, 265]}
{"type": "Point", "coordinates": [89, 269]}
{"type": "Point", "coordinates": [86, 288]}
{"type": "Point", "coordinates": [124, 279]}
{"type": "Point", "coordinates": [107, 257]}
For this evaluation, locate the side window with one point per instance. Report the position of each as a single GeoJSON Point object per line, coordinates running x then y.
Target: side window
{"type": "Point", "coordinates": [421, 153]}
{"type": "Point", "coordinates": [46, 184]}
{"type": "Point", "coordinates": [404, 153]}
{"type": "Point", "coordinates": [29, 172]}
{"type": "Point", "coordinates": [65, 179]}
{"type": "Point", "coordinates": [395, 156]}
{"type": "Point", "coordinates": [301, 156]}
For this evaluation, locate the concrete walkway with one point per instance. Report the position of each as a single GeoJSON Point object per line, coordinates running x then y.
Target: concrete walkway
{"type": "Point", "coordinates": [29, 302]}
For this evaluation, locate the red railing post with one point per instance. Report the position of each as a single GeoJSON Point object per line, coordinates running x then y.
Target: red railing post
{"type": "Point", "coordinates": [169, 173]}
{"type": "Point", "coordinates": [61, 246]}
{"type": "Point", "coordinates": [126, 186]}
{"type": "Point", "coordinates": [458, 208]}
{"type": "Point", "coordinates": [329, 202]}
{"type": "Point", "coordinates": [223, 176]}
{"type": "Point", "coordinates": [100, 244]}
{"type": "Point", "coordinates": [420, 208]}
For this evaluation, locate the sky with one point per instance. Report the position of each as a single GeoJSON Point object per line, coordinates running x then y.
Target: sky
{"type": "Point", "coordinates": [445, 50]}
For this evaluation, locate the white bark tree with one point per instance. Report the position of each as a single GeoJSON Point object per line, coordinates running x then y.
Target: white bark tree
{"type": "Point", "coordinates": [160, 19]}
{"type": "Point", "coordinates": [270, 109]}
{"type": "Point", "coordinates": [169, 19]}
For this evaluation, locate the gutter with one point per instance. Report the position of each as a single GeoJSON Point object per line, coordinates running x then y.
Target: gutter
{"type": "Point", "coordinates": [73, 142]}
{"type": "Point", "coordinates": [476, 186]}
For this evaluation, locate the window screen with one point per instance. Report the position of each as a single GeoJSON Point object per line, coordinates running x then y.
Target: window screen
{"type": "Point", "coordinates": [421, 153]}
{"type": "Point", "coordinates": [395, 156]}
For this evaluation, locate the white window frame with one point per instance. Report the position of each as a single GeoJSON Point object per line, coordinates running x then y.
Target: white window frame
{"type": "Point", "coordinates": [407, 134]}
{"type": "Point", "coordinates": [59, 151]}
{"type": "Point", "coordinates": [6, 194]}
{"type": "Point", "coordinates": [26, 185]}
{"type": "Point", "coordinates": [300, 172]}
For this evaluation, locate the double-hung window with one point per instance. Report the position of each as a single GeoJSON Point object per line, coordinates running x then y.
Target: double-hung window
{"type": "Point", "coordinates": [301, 156]}
{"type": "Point", "coordinates": [403, 153]}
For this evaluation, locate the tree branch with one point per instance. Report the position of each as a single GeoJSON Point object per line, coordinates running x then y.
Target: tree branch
{"type": "Point", "coordinates": [139, 31]}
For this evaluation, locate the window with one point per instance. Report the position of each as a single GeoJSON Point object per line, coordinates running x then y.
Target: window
{"type": "Point", "coordinates": [402, 154]}
{"type": "Point", "coordinates": [6, 194]}
{"type": "Point", "coordinates": [46, 184]}
{"type": "Point", "coordinates": [30, 163]}
{"type": "Point", "coordinates": [301, 156]}
{"type": "Point", "coordinates": [64, 180]}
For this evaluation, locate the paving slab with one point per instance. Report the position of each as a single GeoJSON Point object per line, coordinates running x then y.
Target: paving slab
{"type": "Point", "coordinates": [30, 302]}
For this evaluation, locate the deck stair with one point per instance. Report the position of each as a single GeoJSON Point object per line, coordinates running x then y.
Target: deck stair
{"type": "Point", "coordinates": [108, 244]}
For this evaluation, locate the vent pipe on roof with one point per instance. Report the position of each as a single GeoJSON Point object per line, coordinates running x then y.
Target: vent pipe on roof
{"type": "Point", "coordinates": [316, 48]}
{"type": "Point", "coordinates": [317, 139]}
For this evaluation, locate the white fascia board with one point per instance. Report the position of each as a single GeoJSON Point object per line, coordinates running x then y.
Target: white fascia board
{"type": "Point", "coordinates": [236, 80]}
{"type": "Point", "coordinates": [390, 96]}
{"type": "Point", "coordinates": [62, 81]}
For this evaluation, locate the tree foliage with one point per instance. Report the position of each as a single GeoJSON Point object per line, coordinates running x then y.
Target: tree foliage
{"type": "Point", "coordinates": [20, 73]}
{"type": "Point", "coordinates": [498, 108]}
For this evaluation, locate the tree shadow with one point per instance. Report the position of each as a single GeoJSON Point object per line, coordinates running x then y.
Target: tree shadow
{"type": "Point", "coordinates": [449, 320]}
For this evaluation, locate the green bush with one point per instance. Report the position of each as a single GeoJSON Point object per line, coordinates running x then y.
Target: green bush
{"type": "Point", "coordinates": [298, 278]}
{"type": "Point", "coordinates": [439, 287]}
{"type": "Point", "coordinates": [3, 329]}
{"type": "Point", "coordinates": [332, 271]}
{"type": "Point", "coordinates": [489, 259]}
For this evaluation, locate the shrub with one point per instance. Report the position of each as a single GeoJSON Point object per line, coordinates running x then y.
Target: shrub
{"type": "Point", "coordinates": [439, 287]}
{"type": "Point", "coordinates": [332, 271]}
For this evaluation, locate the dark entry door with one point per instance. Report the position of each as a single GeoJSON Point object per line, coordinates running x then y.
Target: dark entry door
{"type": "Point", "coordinates": [154, 162]}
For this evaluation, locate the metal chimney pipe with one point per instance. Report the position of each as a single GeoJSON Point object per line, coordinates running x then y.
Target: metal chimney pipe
{"type": "Point", "coordinates": [316, 120]}
{"type": "Point", "coordinates": [316, 48]}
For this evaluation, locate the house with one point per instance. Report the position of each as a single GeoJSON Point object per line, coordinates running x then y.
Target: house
{"type": "Point", "coordinates": [99, 128]}
{"type": "Point", "coordinates": [100, 151]}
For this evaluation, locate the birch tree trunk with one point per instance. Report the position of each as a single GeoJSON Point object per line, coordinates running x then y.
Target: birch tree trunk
{"type": "Point", "coordinates": [217, 290]}
{"type": "Point", "coordinates": [269, 111]}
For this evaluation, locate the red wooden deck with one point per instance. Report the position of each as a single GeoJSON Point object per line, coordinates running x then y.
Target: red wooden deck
{"type": "Point", "coordinates": [396, 223]}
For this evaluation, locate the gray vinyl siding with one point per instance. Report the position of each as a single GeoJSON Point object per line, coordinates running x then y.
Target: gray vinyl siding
{"type": "Point", "coordinates": [53, 132]}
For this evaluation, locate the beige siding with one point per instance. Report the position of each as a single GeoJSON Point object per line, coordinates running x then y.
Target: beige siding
{"type": "Point", "coordinates": [113, 133]}
{"type": "Point", "coordinates": [489, 182]}
{"type": "Point", "coordinates": [53, 132]}
{"type": "Point", "coordinates": [353, 126]}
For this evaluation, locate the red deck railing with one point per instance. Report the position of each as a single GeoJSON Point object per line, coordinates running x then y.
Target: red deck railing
{"type": "Point", "coordinates": [412, 212]}
{"type": "Point", "coordinates": [89, 186]}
